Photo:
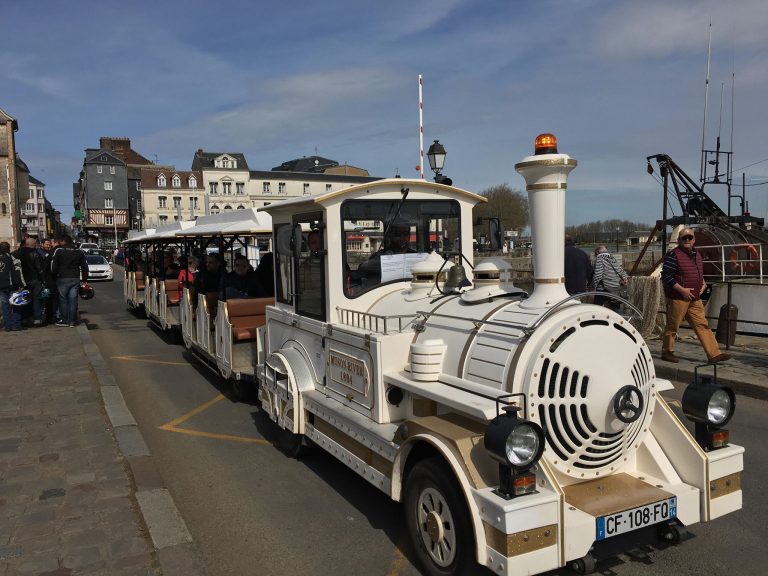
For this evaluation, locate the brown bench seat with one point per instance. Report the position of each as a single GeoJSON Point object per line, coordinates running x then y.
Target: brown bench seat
{"type": "Point", "coordinates": [246, 315]}
{"type": "Point", "coordinates": [172, 293]}
{"type": "Point", "coordinates": [139, 280]}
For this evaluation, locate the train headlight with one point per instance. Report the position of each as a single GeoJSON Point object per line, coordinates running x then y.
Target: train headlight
{"type": "Point", "coordinates": [710, 407]}
{"type": "Point", "coordinates": [522, 446]}
{"type": "Point", "coordinates": [516, 445]}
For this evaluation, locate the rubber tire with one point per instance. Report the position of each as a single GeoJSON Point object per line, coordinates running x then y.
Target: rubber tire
{"type": "Point", "coordinates": [290, 444]}
{"type": "Point", "coordinates": [241, 392]}
{"type": "Point", "coordinates": [584, 565]}
{"type": "Point", "coordinates": [435, 474]}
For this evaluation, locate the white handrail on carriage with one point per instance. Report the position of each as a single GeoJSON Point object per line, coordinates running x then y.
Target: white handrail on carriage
{"type": "Point", "coordinates": [375, 322]}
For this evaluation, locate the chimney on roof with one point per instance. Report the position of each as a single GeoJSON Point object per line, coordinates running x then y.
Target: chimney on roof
{"type": "Point", "coordinates": [114, 144]}
{"type": "Point", "coordinates": [199, 152]}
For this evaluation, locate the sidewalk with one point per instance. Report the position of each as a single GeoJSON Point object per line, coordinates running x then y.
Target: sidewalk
{"type": "Point", "coordinates": [746, 372]}
{"type": "Point", "coordinates": [79, 494]}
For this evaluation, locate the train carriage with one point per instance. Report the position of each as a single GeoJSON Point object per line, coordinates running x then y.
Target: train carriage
{"type": "Point", "coordinates": [224, 333]}
{"type": "Point", "coordinates": [521, 432]}
{"type": "Point", "coordinates": [135, 268]}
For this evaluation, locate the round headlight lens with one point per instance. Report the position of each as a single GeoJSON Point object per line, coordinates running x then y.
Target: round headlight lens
{"type": "Point", "coordinates": [719, 408]}
{"type": "Point", "coordinates": [522, 446]}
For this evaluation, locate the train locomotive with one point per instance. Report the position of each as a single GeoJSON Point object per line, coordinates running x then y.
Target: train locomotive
{"type": "Point", "coordinates": [521, 432]}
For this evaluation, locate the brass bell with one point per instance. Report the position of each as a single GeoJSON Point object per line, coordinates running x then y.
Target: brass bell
{"type": "Point", "coordinates": [457, 278]}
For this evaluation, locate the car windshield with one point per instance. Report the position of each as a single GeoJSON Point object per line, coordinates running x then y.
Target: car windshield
{"type": "Point", "coordinates": [94, 260]}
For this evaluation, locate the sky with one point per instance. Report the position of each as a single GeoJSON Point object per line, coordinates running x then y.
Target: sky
{"type": "Point", "coordinates": [615, 81]}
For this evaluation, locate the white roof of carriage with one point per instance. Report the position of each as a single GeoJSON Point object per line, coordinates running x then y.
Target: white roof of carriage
{"type": "Point", "coordinates": [395, 183]}
{"type": "Point", "coordinates": [170, 231]}
{"type": "Point", "coordinates": [230, 222]}
{"type": "Point", "coordinates": [140, 235]}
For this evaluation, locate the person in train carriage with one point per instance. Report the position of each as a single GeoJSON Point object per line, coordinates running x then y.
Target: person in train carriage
{"type": "Point", "coordinates": [242, 282]}
{"type": "Point", "coordinates": [265, 274]}
{"type": "Point", "coordinates": [207, 281]}
{"type": "Point", "coordinates": [188, 272]}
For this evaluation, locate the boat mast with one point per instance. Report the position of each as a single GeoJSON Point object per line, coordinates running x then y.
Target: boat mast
{"type": "Point", "coordinates": [421, 132]}
{"type": "Point", "coordinates": [706, 98]}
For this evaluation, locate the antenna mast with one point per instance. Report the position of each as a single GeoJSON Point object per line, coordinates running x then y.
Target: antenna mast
{"type": "Point", "coordinates": [706, 98]}
{"type": "Point", "coordinates": [421, 133]}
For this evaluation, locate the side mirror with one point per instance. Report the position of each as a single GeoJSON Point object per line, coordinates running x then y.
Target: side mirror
{"type": "Point", "coordinates": [495, 235]}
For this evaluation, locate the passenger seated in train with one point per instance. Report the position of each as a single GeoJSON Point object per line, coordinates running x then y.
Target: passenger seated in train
{"type": "Point", "coordinates": [188, 272]}
{"type": "Point", "coordinates": [207, 282]}
{"type": "Point", "coordinates": [265, 274]}
{"type": "Point", "coordinates": [242, 282]}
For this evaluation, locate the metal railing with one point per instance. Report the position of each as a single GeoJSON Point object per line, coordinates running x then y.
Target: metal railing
{"type": "Point", "coordinates": [375, 322]}
{"type": "Point", "coordinates": [735, 261]}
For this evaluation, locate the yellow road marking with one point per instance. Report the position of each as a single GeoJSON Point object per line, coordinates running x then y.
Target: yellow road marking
{"type": "Point", "coordinates": [215, 436]}
{"type": "Point", "coordinates": [398, 563]}
{"type": "Point", "coordinates": [145, 359]}
{"type": "Point", "coordinates": [193, 412]}
{"type": "Point", "coordinates": [172, 426]}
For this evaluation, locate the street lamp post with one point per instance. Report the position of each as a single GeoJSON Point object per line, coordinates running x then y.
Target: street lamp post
{"type": "Point", "coordinates": [436, 155]}
{"type": "Point", "coordinates": [617, 238]}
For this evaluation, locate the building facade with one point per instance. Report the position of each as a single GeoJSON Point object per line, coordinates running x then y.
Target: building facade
{"type": "Point", "coordinates": [230, 185]}
{"type": "Point", "coordinates": [10, 222]}
{"type": "Point", "coordinates": [107, 196]}
{"type": "Point", "coordinates": [168, 195]}
{"type": "Point", "coordinates": [33, 216]}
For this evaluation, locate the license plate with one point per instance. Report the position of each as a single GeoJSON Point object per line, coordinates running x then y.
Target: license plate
{"type": "Point", "coordinates": [629, 520]}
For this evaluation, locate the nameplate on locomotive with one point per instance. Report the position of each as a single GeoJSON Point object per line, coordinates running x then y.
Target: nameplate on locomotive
{"type": "Point", "coordinates": [348, 371]}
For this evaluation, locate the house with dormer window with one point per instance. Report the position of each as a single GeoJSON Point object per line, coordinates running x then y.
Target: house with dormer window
{"type": "Point", "coordinates": [162, 204]}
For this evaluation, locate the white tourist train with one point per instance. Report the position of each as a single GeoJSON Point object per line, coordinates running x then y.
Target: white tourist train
{"type": "Point", "coordinates": [521, 432]}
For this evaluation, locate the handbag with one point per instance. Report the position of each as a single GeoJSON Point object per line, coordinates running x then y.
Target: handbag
{"type": "Point", "coordinates": [620, 291]}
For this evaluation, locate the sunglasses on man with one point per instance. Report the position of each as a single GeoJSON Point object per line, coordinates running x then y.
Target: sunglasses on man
{"type": "Point", "coordinates": [686, 237]}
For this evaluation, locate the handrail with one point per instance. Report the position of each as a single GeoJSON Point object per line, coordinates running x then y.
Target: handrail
{"type": "Point", "coordinates": [533, 327]}
{"type": "Point", "coordinates": [373, 322]}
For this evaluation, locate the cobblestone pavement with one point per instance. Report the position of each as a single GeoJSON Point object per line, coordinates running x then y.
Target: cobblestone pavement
{"type": "Point", "coordinates": [67, 504]}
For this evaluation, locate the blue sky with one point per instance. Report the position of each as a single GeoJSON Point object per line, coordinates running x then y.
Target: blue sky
{"type": "Point", "coordinates": [616, 81]}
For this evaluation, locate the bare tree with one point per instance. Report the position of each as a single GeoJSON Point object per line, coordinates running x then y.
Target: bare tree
{"type": "Point", "coordinates": [511, 206]}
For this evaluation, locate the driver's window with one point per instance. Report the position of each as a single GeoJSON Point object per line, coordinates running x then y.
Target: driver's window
{"type": "Point", "coordinates": [384, 239]}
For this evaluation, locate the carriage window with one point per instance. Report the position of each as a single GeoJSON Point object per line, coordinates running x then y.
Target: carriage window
{"type": "Point", "coordinates": [383, 239]}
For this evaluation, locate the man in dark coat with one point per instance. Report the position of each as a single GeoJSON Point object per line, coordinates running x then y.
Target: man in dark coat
{"type": "Point", "coordinates": [578, 269]}
{"type": "Point", "coordinates": [33, 271]}
{"type": "Point", "coordinates": [10, 281]}
{"type": "Point", "coordinates": [69, 267]}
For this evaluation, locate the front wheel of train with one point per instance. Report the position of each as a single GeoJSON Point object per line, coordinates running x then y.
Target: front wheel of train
{"type": "Point", "coordinates": [438, 521]}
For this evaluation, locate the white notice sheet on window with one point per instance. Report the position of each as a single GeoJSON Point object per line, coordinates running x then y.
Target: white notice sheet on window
{"type": "Point", "coordinates": [397, 266]}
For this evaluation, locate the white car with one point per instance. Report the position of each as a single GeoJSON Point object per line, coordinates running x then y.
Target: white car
{"type": "Point", "coordinates": [86, 246]}
{"type": "Point", "coordinates": [98, 267]}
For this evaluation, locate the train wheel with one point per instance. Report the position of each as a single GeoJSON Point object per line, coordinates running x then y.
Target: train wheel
{"type": "Point", "coordinates": [241, 391]}
{"type": "Point", "coordinates": [437, 520]}
{"type": "Point", "coordinates": [290, 444]}
{"type": "Point", "coordinates": [584, 565]}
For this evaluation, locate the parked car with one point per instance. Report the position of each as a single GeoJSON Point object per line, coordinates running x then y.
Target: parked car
{"type": "Point", "coordinates": [87, 246]}
{"type": "Point", "coordinates": [98, 268]}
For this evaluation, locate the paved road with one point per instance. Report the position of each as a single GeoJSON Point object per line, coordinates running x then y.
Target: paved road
{"type": "Point", "coordinates": [248, 506]}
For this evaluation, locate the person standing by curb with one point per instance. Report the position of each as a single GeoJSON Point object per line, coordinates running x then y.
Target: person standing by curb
{"type": "Point", "coordinates": [69, 267]}
{"type": "Point", "coordinates": [682, 275]}
{"type": "Point", "coordinates": [11, 280]}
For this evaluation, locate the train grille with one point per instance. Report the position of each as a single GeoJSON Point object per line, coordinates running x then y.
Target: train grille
{"type": "Point", "coordinates": [565, 391]}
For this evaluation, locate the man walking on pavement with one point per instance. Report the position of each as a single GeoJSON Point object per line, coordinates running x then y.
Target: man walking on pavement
{"type": "Point", "coordinates": [69, 267]}
{"type": "Point", "coordinates": [682, 275]}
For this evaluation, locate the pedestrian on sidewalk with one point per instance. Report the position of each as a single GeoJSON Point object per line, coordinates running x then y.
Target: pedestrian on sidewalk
{"type": "Point", "coordinates": [578, 269]}
{"type": "Point", "coordinates": [682, 275]}
{"type": "Point", "coordinates": [32, 270]}
{"type": "Point", "coordinates": [11, 280]}
{"type": "Point", "coordinates": [69, 267]}
{"type": "Point", "coordinates": [609, 277]}
{"type": "Point", "coordinates": [52, 308]}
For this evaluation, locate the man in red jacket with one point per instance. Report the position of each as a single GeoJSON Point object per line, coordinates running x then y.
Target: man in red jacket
{"type": "Point", "coordinates": [683, 278]}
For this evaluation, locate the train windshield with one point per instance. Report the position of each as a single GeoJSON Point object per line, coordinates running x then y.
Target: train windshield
{"type": "Point", "coordinates": [382, 239]}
